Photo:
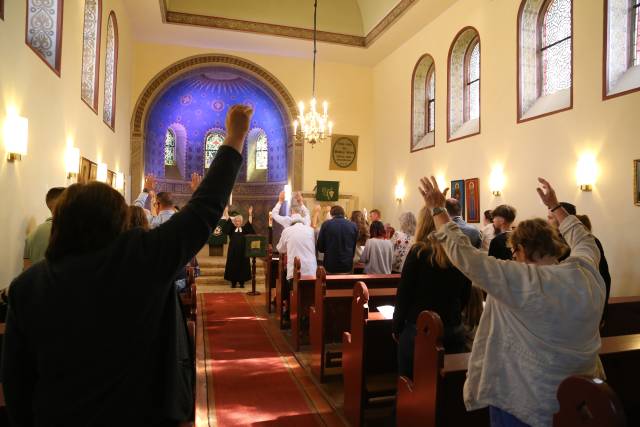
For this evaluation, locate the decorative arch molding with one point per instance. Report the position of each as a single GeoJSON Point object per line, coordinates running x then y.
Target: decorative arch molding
{"type": "Point", "coordinates": [164, 79]}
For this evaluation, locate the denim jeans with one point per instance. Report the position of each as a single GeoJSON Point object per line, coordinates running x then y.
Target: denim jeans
{"type": "Point", "coordinates": [500, 418]}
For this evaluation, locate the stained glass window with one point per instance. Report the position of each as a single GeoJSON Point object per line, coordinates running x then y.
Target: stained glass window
{"type": "Point", "coordinates": [262, 152]}
{"type": "Point", "coordinates": [431, 100]}
{"type": "Point", "coordinates": [44, 30]}
{"type": "Point", "coordinates": [473, 83]}
{"type": "Point", "coordinates": [170, 148]}
{"type": "Point", "coordinates": [111, 72]}
{"type": "Point", "coordinates": [556, 47]}
{"type": "Point", "coordinates": [635, 35]}
{"type": "Point", "coordinates": [90, 58]}
{"type": "Point", "coordinates": [213, 141]}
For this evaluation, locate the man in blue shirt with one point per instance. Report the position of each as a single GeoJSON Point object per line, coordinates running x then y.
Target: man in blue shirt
{"type": "Point", "coordinates": [337, 241]}
{"type": "Point", "coordinates": [455, 212]}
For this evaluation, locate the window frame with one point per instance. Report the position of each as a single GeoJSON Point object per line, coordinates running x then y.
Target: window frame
{"type": "Point", "coordinates": [2, 10]}
{"type": "Point", "coordinates": [219, 131]}
{"type": "Point", "coordinates": [419, 62]}
{"type": "Point", "coordinates": [175, 145]}
{"type": "Point", "coordinates": [540, 71]}
{"type": "Point", "coordinates": [431, 73]}
{"type": "Point", "coordinates": [605, 54]}
{"type": "Point", "coordinates": [116, 44]}
{"type": "Point", "coordinates": [266, 149]}
{"type": "Point", "coordinates": [57, 69]}
{"type": "Point", "coordinates": [466, 101]}
{"type": "Point", "coordinates": [96, 92]}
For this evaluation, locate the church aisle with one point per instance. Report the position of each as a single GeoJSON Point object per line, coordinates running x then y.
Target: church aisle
{"type": "Point", "coordinates": [252, 378]}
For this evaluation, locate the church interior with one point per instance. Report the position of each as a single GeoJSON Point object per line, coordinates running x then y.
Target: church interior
{"type": "Point", "coordinates": [350, 103]}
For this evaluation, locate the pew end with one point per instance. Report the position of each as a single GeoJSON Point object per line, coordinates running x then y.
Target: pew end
{"type": "Point", "coordinates": [588, 402]}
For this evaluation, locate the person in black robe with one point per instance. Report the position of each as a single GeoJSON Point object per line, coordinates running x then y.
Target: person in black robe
{"type": "Point", "coordinates": [238, 270]}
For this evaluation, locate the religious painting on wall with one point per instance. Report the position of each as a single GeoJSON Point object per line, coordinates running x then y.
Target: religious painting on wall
{"type": "Point", "coordinates": [93, 172]}
{"type": "Point", "coordinates": [85, 170]}
{"type": "Point", "coordinates": [344, 153]}
{"type": "Point", "coordinates": [327, 191]}
{"type": "Point", "coordinates": [636, 182]}
{"type": "Point", "coordinates": [472, 190]}
{"type": "Point", "coordinates": [457, 192]}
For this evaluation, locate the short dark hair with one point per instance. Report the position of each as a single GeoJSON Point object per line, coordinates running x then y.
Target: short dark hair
{"type": "Point", "coordinates": [505, 211]}
{"type": "Point", "coordinates": [376, 229]}
{"type": "Point", "coordinates": [453, 207]}
{"type": "Point", "coordinates": [164, 199]}
{"type": "Point", "coordinates": [569, 207]}
{"type": "Point", "coordinates": [52, 195]}
{"type": "Point", "coordinates": [336, 211]}
{"type": "Point", "coordinates": [137, 218]}
{"type": "Point", "coordinates": [376, 211]}
{"type": "Point", "coordinates": [487, 215]}
{"type": "Point", "coordinates": [87, 218]}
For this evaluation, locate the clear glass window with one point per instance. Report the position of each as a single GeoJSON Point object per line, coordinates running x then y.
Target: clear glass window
{"type": "Point", "coordinates": [262, 152]}
{"type": "Point", "coordinates": [556, 47]}
{"type": "Point", "coordinates": [473, 83]}
{"type": "Point", "coordinates": [431, 100]}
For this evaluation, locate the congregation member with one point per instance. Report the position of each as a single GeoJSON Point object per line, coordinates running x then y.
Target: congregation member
{"type": "Point", "coordinates": [162, 205]}
{"type": "Point", "coordinates": [237, 269]}
{"type": "Point", "coordinates": [137, 218]}
{"type": "Point", "coordinates": [337, 242]}
{"type": "Point", "coordinates": [299, 207]}
{"type": "Point", "coordinates": [375, 215]}
{"type": "Point", "coordinates": [429, 282]}
{"type": "Point", "coordinates": [36, 244]}
{"type": "Point", "coordinates": [357, 217]}
{"type": "Point", "coordinates": [503, 217]}
{"type": "Point", "coordinates": [488, 232]}
{"type": "Point", "coordinates": [541, 319]}
{"type": "Point", "coordinates": [455, 212]}
{"type": "Point", "coordinates": [377, 255]}
{"type": "Point", "coordinates": [298, 240]}
{"type": "Point", "coordinates": [86, 355]}
{"type": "Point", "coordinates": [403, 240]}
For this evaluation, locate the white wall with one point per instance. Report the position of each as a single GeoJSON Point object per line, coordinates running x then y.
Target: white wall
{"type": "Point", "coordinates": [546, 147]}
{"type": "Point", "coordinates": [56, 113]}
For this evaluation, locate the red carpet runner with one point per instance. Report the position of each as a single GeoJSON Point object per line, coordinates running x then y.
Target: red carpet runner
{"type": "Point", "coordinates": [252, 385]}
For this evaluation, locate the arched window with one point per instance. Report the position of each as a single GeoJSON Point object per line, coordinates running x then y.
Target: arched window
{"type": "Point", "coordinates": [463, 114]}
{"type": "Point", "coordinates": [423, 101]}
{"type": "Point", "coordinates": [170, 148]}
{"type": "Point", "coordinates": [44, 31]}
{"type": "Point", "coordinates": [622, 47]}
{"type": "Point", "coordinates": [212, 142]}
{"type": "Point", "coordinates": [545, 45]}
{"type": "Point", "coordinates": [111, 72]}
{"type": "Point", "coordinates": [90, 56]}
{"type": "Point", "coordinates": [262, 152]}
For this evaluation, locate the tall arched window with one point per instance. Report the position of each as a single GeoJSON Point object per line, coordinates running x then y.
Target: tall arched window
{"type": "Point", "coordinates": [423, 102]}
{"type": "Point", "coordinates": [622, 48]}
{"type": "Point", "coordinates": [90, 53]}
{"type": "Point", "coordinates": [111, 72]}
{"type": "Point", "coordinates": [463, 114]}
{"type": "Point", "coordinates": [44, 31]}
{"type": "Point", "coordinates": [545, 46]}
{"type": "Point", "coordinates": [262, 152]}
{"type": "Point", "coordinates": [212, 142]}
{"type": "Point", "coordinates": [170, 148]}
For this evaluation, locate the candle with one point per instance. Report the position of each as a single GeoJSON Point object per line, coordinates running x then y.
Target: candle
{"type": "Point", "coordinates": [295, 127]}
{"type": "Point", "coordinates": [325, 107]}
{"type": "Point", "coordinates": [270, 219]}
{"type": "Point", "coordinates": [230, 199]}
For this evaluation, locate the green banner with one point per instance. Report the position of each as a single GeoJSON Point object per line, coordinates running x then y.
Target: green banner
{"type": "Point", "coordinates": [327, 191]}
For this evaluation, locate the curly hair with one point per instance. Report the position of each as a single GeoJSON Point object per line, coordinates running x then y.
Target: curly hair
{"type": "Point", "coordinates": [538, 239]}
{"type": "Point", "coordinates": [407, 223]}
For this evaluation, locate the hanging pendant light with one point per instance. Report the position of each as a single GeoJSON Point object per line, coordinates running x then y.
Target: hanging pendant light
{"type": "Point", "coordinates": [312, 126]}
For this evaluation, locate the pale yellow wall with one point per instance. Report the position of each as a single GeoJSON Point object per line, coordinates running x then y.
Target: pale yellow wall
{"type": "Point", "coordinates": [55, 112]}
{"type": "Point", "coordinates": [346, 87]}
{"type": "Point", "coordinates": [546, 147]}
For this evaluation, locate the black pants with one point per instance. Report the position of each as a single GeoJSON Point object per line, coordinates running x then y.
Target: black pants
{"type": "Point", "coordinates": [233, 284]}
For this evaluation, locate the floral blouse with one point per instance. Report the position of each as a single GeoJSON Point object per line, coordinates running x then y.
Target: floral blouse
{"type": "Point", "coordinates": [402, 242]}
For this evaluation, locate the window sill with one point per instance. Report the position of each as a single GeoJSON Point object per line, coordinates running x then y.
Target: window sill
{"type": "Point", "coordinates": [549, 104]}
{"type": "Point", "coordinates": [468, 128]}
{"type": "Point", "coordinates": [627, 83]}
{"type": "Point", "coordinates": [427, 141]}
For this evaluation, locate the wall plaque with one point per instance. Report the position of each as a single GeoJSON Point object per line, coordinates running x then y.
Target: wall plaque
{"type": "Point", "coordinates": [344, 153]}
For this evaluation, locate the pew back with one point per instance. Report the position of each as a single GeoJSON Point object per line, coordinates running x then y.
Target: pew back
{"type": "Point", "coordinates": [301, 299]}
{"type": "Point", "coordinates": [588, 402]}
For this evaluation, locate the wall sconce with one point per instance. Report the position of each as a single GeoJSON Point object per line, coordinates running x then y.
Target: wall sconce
{"type": "Point", "coordinates": [72, 161]}
{"type": "Point", "coordinates": [496, 181]}
{"type": "Point", "coordinates": [587, 171]}
{"type": "Point", "coordinates": [287, 193]}
{"type": "Point", "coordinates": [399, 191]}
{"type": "Point", "coordinates": [101, 175]}
{"type": "Point", "coordinates": [442, 182]}
{"type": "Point", "coordinates": [120, 181]}
{"type": "Point", "coordinates": [16, 135]}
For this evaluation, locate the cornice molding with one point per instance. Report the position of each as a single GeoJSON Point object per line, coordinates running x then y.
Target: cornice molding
{"type": "Point", "coordinates": [181, 18]}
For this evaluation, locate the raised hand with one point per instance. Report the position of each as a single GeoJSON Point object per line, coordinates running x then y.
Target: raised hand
{"type": "Point", "coordinates": [433, 197]}
{"type": "Point", "coordinates": [299, 198]}
{"type": "Point", "coordinates": [149, 182]}
{"type": "Point", "coordinates": [547, 194]}
{"type": "Point", "coordinates": [281, 197]}
{"type": "Point", "coordinates": [250, 210]}
{"type": "Point", "coordinates": [238, 119]}
{"type": "Point", "coordinates": [196, 179]}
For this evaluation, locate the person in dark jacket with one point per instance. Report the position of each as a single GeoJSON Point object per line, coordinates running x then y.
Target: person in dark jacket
{"type": "Point", "coordinates": [429, 282]}
{"type": "Point", "coordinates": [94, 336]}
{"type": "Point", "coordinates": [237, 269]}
{"type": "Point", "coordinates": [503, 217]}
{"type": "Point", "coordinates": [337, 241]}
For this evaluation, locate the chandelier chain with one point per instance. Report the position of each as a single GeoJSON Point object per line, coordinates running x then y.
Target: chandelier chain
{"type": "Point", "coordinates": [315, 37]}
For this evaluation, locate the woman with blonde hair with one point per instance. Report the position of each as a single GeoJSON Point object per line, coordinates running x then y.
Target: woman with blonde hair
{"type": "Point", "coordinates": [429, 282]}
{"type": "Point", "coordinates": [403, 240]}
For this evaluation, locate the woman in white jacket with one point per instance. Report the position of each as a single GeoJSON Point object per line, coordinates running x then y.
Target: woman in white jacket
{"type": "Point", "coordinates": [540, 322]}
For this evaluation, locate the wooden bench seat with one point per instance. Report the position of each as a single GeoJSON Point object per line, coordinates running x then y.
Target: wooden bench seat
{"type": "Point", "coordinates": [623, 317]}
{"type": "Point", "coordinates": [301, 300]}
{"type": "Point", "coordinates": [270, 274]}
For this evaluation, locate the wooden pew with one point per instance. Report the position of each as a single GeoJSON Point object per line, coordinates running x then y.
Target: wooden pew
{"type": "Point", "coordinates": [282, 291]}
{"type": "Point", "coordinates": [330, 314]}
{"type": "Point", "coordinates": [588, 402]}
{"type": "Point", "coordinates": [369, 371]}
{"type": "Point", "coordinates": [301, 300]}
{"type": "Point", "coordinates": [623, 317]}
{"type": "Point", "coordinates": [620, 357]}
{"type": "Point", "coordinates": [270, 274]}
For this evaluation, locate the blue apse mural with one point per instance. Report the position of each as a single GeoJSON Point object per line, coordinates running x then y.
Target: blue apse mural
{"type": "Point", "coordinates": [199, 101]}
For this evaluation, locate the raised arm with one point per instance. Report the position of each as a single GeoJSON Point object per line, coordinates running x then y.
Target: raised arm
{"type": "Point", "coordinates": [284, 221]}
